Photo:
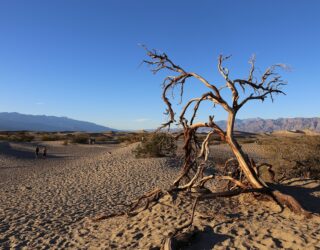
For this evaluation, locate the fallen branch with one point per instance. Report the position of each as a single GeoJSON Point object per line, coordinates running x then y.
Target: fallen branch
{"type": "Point", "coordinates": [149, 197]}
{"type": "Point", "coordinates": [236, 182]}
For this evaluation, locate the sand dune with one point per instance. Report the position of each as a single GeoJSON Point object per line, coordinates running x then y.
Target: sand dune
{"type": "Point", "coordinates": [41, 201]}
{"type": "Point", "coordinates": [49, 203]}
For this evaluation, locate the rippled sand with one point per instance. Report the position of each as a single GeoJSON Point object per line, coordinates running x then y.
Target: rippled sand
{"type": "Point", "coordinates": [49, 203]}
{"type": "Point", "coordinates": [43, 200]}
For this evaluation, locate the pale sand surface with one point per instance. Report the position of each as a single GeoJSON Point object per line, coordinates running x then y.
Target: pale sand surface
{"type": "Point", "coordinates": [49, 203]}
{"type": "Point", "coordinates": [41, 201]}
{"type": "Point", "coordinates": [224, 224]}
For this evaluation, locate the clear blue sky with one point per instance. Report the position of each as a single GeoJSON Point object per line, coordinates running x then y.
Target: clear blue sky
{"type": "Point", "coordinates": [81, 58]}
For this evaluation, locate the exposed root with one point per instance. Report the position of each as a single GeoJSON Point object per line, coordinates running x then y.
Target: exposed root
{"type": "Point", "coordinates": [290, 202]}
{"type": "Point", "coordinates": [150, 197]}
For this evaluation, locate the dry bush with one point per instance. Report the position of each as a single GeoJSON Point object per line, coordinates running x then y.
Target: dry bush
{"type": "Point", "coordinates": [80, 138]}
{"type": "Point", "coordinates": [4, 137]}
{"type": "Point", "coordinates": [156, 145]}
{"type": "Point", "coordinates": [297, 156]}
{"type": "Point", "coordinates": [132, 137]}
{"type": "Point", "coordinates": [19, 137]}
{"type": "Point", "coordinates": [51, 137]}
{"type": "Point", "coordinates": [103, 138]}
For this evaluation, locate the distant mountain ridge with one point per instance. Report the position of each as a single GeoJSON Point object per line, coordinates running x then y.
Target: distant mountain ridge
{"type": "Point", "coordinates": [16, 122]}
{"type": "Point", "coordinates": [259, 125]}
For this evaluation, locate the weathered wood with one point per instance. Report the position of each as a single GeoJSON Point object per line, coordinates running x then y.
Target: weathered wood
{"type": "Point", "coordinates": [269, 84]}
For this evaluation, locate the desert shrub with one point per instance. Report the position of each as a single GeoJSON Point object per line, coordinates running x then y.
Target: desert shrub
{"type": "Point", "coordinates": [65, 142]}
{"type": "Point", "coordinates": [132, 138]}
{"type": "Point", "coordinates": [80, 138]}
{"type": "Point", "coordinates": [69, 135]}
{"type": "Point", "coordinates": [26, 138]}
{"type": "Point", "coordinates": [156, 145]}
{"type": "Point", "coordinates": [51, 137]}
{"type": "Point", "coordinates": [103, 138]}
{"type": "Point", "coordinates": [297, 156]}
{"type": "Point", "coordinates": [21, 137]}
{"type": "Point", "coordinates": [4, 137]}
{"type": "Point", "coordinates": [309, 168]}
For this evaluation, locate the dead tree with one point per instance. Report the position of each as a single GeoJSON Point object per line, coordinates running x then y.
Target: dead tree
{"type": "Point", "coordinates": [195, 152]}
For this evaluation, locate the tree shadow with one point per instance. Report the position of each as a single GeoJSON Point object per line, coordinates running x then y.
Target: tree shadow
{"type": "Point", "coordinates": [302, 194]}
{"type": "Point", "coordinates": [206, 239]}
{"type": "Point", "coordinates": [174, 162]}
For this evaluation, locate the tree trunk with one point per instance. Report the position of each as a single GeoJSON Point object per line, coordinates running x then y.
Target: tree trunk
{"type": "Point", "coordinates": [242, 158]}
{"type": "Point", "coordinates": [252, 177]}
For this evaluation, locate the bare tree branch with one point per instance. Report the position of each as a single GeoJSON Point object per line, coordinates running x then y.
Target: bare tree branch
{"type": "Point", "coordinates": [269, 84]}
{"type": "Point", "coordinates": [225, 73]}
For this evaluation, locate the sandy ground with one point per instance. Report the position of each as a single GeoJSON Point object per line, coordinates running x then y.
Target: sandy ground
{"type": "Point", "coordinates": [49, 203]}
{"type": "Point", "coordinates": [41, 201]}
{"type": "Point", "coordinates": [242, 223]}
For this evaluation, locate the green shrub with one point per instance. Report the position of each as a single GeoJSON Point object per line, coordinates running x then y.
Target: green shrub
{"type": "Point", "coordinates": [157, 145]}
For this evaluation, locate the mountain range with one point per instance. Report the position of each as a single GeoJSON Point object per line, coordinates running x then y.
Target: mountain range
{"type": "Point", "coordinates": [16, 121]}
{"type": "Point", "coordinates": [259, 125]}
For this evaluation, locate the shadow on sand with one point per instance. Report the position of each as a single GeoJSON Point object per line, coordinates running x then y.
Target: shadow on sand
{"type": "Point", "coordinates": [206, 239]}
{"type": "Point", "coordinates": [303, 194]}
{"type": "Point", "coordinates": [8, 150]}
